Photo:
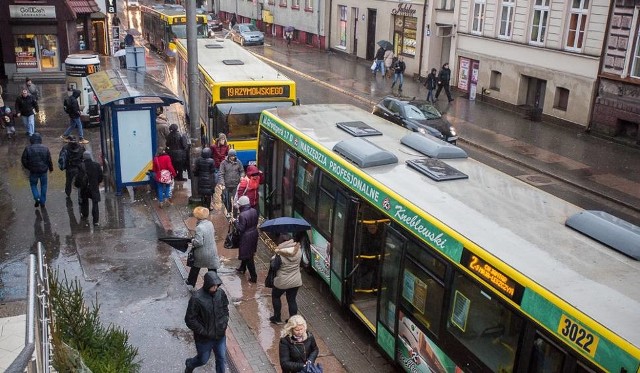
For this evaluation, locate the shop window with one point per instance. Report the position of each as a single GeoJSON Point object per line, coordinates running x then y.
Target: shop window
{"type": "Point", "coordinates": [308, 37]}
{"type": "Point", "coordinates": [561, 99]}
{"type": "Point", "coordinates": [404, 35]}
{"type": "Point", "coordinates": [343, 25]}
{"type": "Point", "coordinates": [496, 80]}
{"type": "Point", "coordinates": [25, 51]}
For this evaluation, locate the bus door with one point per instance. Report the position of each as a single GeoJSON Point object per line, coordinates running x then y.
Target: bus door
{"type": "Point", "coordinates": [342, 231]}
{"type": "Point", "coordinates": [366, 259]}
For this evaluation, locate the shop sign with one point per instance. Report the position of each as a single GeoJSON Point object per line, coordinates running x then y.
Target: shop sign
{"type": "Point", "coordinates": [404, 9]}
{"type": "Point", "coordinates": [111, 7]}
{"type": "Point", "coordinates": [32, 11]}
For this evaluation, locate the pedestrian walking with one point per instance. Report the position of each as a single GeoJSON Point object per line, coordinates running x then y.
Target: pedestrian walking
{"type": "Point", "coordinates": [72, 108]}
{"type": "Point", "coordinates": [203, 245]}
{"type": "Point", "coordinates": [389, 59]}
{"type": "Point", "coordinates": [288, 278]}
{"type": "Point", "coordinates": [220, 149]}
{"type": "Point", "coordinates": [298, 347]}
{"type": "Point", "coordinates": [379, 61]}
{"type": "Point", "coordinates": [162, 128]}
{"type": "Point", "coordinates": [249, 186]}
{"type": "Point", "coordinates": [288, 35]}
{"type": "Point", "coordinates": [208, 316]}
{"type": "Point", "coordinates": [444, 77]}
{"type": "Point", "coordinates": [231, 171]}
{"type": "Point", "coordinates": [233, 22]}
{"type": "Point", "coordinates": [128, 40]}
{"type": "Point", "coordinates": [206, 174]}
{"type": "Point", "coordinates": [89, 179]}
{"type": "Point", "coordinates": [398, 73]}
{"type": "Point", "coordinates": [431, 83]}
{"type": "Point", "coordinates": [32, 88]}
{"type": "Point", "coordinates": [247, 226]}
{"type": "Point", "coordinates": [9, 122]}
{"type": "Point", "coordinates": [26, 107]}
{"type": "Point", "coordinates": [69, 160]}
{"type": "Point", "coordinates": [164, 173]}
{"type": "Point", "coordinates": [36, 158]}
{"type": "Point", "coordinates": [177, 147]}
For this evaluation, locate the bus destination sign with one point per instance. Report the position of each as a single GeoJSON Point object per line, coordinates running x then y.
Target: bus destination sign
{"type": "Point", "coordinates": [494, 277]}
{"type": "Point", "coordinates": [254, 91]}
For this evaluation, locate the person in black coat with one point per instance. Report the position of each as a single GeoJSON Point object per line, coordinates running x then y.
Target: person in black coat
{"type": "Point", "coordinates": [69, 161]}
{"type": "Point", "coordinates": [247, 226]}
{"type": "Point", "coordinates": [26, 107]}
{"type": "Point", "coordinates": [205, 171]}
{"type": "Point", "coordinates": [37, 159]}
{"type": "Point", "coordinates": [90, 189]}
{"type": "Point", "coordinates": [431, 84]}
{"type": "Point", "coordinates": [444, 78]}
{"type": "Point", "coordinates": [208, 316]}
{"type": "Point", "coordinates": [298, 347]}
{"type": "Point", "coordinates": [177, 147]}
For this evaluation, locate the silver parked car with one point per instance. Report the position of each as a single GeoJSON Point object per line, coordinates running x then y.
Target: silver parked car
{"type": "Point", "coordinates": [246, 33]}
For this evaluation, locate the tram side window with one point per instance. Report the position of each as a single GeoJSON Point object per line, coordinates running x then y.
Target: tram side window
{"type": "Point", "coordinates": [288, 182]}
{"type": "Point", "coordinates": [483, 324]}
{"type": "Point", "coordinates": [546, 358]}
{"type": "Point", "coordinates": [389, 279]}
{"type": "Point", "coordinates": [433, 264]}
{"type": "Point", "coordinates": [306, 184]}
{"type": "Point", "coordinates": [422, 295]}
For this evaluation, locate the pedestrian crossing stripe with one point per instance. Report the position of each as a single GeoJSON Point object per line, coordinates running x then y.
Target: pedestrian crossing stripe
{"type": "Point", "coordinates": [143, 173]}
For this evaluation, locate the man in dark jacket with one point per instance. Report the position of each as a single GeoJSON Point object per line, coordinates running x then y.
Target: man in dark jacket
{"type": "Point", "coordinates": [206, 173]}
{"type": "Point", "coordinates": [26, 107]}
{"type": "Point", "coordinates": [207, 316]}
{"type": "Point", "coordinates": [73, 109]}
{"type": "Point", "coordinates": [89, 185]}
{"type": "Point", "coordinates": [444, 77]}
{"type": "Point", "coordinates": [177, 147]}
{"type": "Point", "coordinates": [432, 85]}
{"type": "Point", "coordinates": [69, 160]}
{"type": "Point", "coordinates": [398, 73]}
{"type": "Point", "coordinates": [379, 60]}
{"type": "Point", "coordinates": [247, 226]}
{"type": "Point", "coordinates": [37, 159]}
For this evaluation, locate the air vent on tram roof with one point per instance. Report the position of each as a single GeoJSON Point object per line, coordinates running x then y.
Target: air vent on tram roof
{"type": "Point", "coordinates": [436, 169]}
{"type": "Point", "coordinates": [358, 129]}
{"type": "Point", "coordinates": [364, 153]}
{"type": "Point", "coordinates": [214, 46]}
{"type": "Point", "coordinates": [614, 232]}
{"type": "Point", "coordinates": [432, 147]}
{"type": "Point", "coordinates": [232, 62]}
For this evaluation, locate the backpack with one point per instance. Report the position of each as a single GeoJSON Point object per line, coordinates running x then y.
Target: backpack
{"type": "Point", "coordinates": [165, 177]}
{"type": "Point", "coordinates": [66, 105]}
{"type": "Point", "coordinates": [82, 179]}
{"type": "Point", "coordinates": [62, 159]}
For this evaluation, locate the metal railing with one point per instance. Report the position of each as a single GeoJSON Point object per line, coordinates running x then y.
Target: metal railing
{"type": "Point", "coordinates": [35, 357]}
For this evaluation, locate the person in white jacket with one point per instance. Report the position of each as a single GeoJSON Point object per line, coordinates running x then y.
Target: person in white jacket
{"type": "Point", "coordinates": [288, 278]}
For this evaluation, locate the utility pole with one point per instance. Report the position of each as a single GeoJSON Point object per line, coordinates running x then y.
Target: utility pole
{"type": "Point", "coordinates": [194, 102]}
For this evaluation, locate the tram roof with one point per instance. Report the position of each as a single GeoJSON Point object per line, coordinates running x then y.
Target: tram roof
{"type": "Point", "coordinates": [215, 56]}
{"type": "Point", "coordinates": [114, 85]}
{"type": "Point", "coordinates": [511, 220]}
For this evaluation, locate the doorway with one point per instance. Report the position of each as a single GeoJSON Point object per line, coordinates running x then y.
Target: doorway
{"type": "Point", "coordinates": [371, 33]}
{"type": "Point", "coordinates": [536, 89]}
{"type": "Point", "coordinates": [355, 12]}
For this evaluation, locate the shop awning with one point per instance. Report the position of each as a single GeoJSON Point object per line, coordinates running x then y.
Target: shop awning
{"type": "Point", "coordinates": [112, 86]}
{"type": "Point", "coordinates": [83, 6]}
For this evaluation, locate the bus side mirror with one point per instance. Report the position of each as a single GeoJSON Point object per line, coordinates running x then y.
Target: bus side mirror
{"type": "Point", "coordinates": [211, 112]}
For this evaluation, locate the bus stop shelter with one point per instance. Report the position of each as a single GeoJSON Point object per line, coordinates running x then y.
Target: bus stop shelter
{"type": "Point", "coordinates": [128, 134]}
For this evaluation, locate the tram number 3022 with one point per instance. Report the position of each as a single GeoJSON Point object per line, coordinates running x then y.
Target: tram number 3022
{"type": "Point", "coordinates": [577, 334]}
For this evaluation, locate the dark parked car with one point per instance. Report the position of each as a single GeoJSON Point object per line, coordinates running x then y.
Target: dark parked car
{"type": "Point", "coordinates": [416, 115]}
{"type": "Point", "coordinates": [214, 23]}
{"type": "Point", "coordinates": [246, 33]}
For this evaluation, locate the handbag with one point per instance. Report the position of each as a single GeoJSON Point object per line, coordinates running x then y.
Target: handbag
{"type": "Point", "coordinates": [312, 368]}
{"type": "Point", "coordinates": [274, 266]}
{"type": "Point", "coordinates": [373, 65]}
{"type": "Point", "coordinates": [165, 177]}
{"type": "Point", "coordinates": [233, 238]}
{"type": "Point", "coordinates": [191, 260]}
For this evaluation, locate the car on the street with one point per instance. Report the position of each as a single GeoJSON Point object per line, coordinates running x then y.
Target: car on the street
{"type": "Point", "coordinates": [246, 33]}
{"type": "Point", "coordinates": [416, 115]}
{"type": "Point", "coordinates": [214, 23]}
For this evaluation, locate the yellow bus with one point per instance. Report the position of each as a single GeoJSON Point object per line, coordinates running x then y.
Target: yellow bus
{"type": "Point", "coordinates": [162, 24]}
{"type": "Point", "coordinates": [234, 87]}
{"type": "Point", "coordinates": [452, 265]}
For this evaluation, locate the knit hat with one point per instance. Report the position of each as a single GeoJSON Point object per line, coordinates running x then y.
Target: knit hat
{"type": "Point", "coordinates": [243, 201]}
{"type": "Point", "coordinates": [201, 213]}
{"type": "Point", "coordinates": [232, 153]}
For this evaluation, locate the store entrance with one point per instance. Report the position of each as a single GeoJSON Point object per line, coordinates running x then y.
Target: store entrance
{"type": "Point", "coordinates": [36, 52]}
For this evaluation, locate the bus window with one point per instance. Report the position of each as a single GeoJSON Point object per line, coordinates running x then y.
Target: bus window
{"type": "Point", "coordinates": [483, 324]}
{"type": "Point", "coordinates": [422, 296]}
{"type": "Point", "coordinates": [325, 204]}
{"type": "Point", "coordinates": [546, 358]}
{"type": "Point", "coordinates": [306, 183]}
{"type": "Point", "coordinates": [288, 182]}
{"type": "Point", "coordinates": [433, 264]}
{"type": "Point", "coordinates": [389, 279]}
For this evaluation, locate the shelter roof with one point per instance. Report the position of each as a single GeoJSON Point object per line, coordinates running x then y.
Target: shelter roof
{"type": "Point", "coordinates": [114, 85]}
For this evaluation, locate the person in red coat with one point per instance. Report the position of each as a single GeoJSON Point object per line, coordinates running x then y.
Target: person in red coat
{"type": "Point", "coordinates": [220, 150]}
{"type": "Point", "coordinates": [249, 186]}
{"type": "Point", "coordinates": [164, 174]}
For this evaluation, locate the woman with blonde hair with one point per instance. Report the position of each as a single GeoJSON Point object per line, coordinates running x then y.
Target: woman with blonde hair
{"type": "Point", "coordinates": [203, 245]}
{"type": "Point", "coordinates": [298, 347]}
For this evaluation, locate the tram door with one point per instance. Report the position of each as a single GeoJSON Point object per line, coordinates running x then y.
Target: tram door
{"type": "Point", "coordinates": [367, 260]}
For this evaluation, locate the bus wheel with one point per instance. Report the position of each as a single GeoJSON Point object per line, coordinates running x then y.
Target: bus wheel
{"type": "Point", "coordinates": [305, 262]}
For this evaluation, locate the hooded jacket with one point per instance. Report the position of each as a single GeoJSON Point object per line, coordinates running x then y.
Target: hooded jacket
{"type": "Point", "coordinates": [231, 171]}
{"type": "Point", "coordinates": [288, 276]}
{"type": "Point", "coordinates": [247, 226]}
{"type": "Point", "coordinates": [36, 157]}
{"type": "Point", "coordinates": [208, 314]}
{"type": "Point", "coordinates": [94, 177]}
{"type": "Point", "coordinates": [249, 185]}
{"type": "Point", "coordinates": [71, 156]}
{"type": "Point", "coordinates": [205, 172]}
{"type": "Point", "coordinates": [205, 251]}
{"type": "Point", "coordinates": [73, 104]}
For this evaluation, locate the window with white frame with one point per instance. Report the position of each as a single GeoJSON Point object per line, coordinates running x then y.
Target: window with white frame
{"type": "Point", "coordinates": [577, 21]}
{"type": "Point", "coordinates": [539, 21]}
{"type": "Point", "coordinates": [506, 18]}
{"type": "Point", "coordinates": [635, 64]}
{"type": "Point", "coordinates": [283, 3]}
{"type": "Point", "coordinates": [478, 16]}
{"type": "Point", "coordinates": [343, 25]}
{"type": "Point", "coordinates": [308, 4]}
{"type": "Point", "coordinates": [295, 3]}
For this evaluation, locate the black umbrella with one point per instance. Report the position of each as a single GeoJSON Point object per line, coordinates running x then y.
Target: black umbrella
{"type": "Point", "coordinates": [385, 44]}
{"type": "Point", "coordinates": [178, 243]}
{"type": "Point", "coordinates": [289, 29]}
{"type": "Point", "coordinates": [285, 225]}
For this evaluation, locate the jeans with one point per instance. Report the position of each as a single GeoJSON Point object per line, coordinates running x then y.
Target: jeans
{"type": "Point", "coordinates": [163, 191]}
{"type": "Point", "coordinates": [74, 123]}
{"type": "Point", "coordinates": [29, 122]}
{"type": "Point", "coordinates": [431, 96]}
{"type": "Point", "coordinates": [227, 198]}
{"type": "Point", "coordinates": [396, 77]}
{"type": "Point", "coordinates": [379, 66]}
{"type": "Point", "coordinates": [219, 347]}
{"type": "Point", "coordinates": [291, 301]}
{"type": "Point", "coordinates": [33, 181]}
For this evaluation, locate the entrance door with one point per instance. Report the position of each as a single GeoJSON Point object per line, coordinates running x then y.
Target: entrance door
{"type": "Point", "coordinates": [366, 262]}
{"type": "Point", "coordinates": [535, 92]}
{"type": "Point", "coordinates": [356, 14]}
{"type": "Point", "coordinates": [371, 33]}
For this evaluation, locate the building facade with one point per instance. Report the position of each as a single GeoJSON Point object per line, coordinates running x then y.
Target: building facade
{"type": "Point", "coordinates": [616, 109]}
{"type": "Point", "coordinates": [42, 33]}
